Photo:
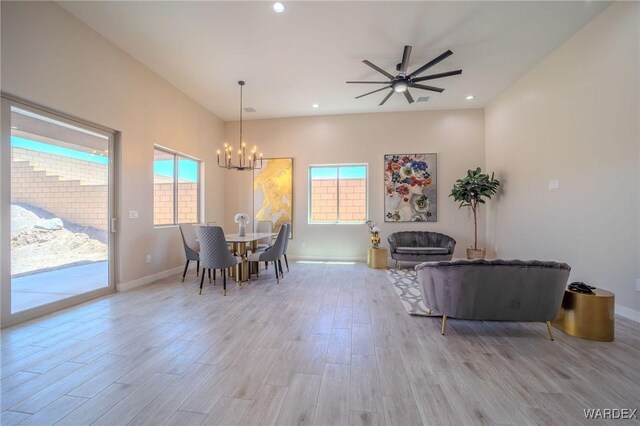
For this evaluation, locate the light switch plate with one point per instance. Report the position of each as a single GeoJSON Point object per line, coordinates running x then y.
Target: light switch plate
{"type": "Point", "coordinates": [133, 214]}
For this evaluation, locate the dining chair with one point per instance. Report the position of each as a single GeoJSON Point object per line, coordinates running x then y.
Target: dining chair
{"type": "Point", "coordinates": [265, 226]}
{"type": "Point", "coordinates": [191, 247]}
{"type": "Point", "coordinates": [214, 254]}
{"type": "Point", "coordinates": [286, 246]}
{"type": "Point", "coordinates": [274, 253]}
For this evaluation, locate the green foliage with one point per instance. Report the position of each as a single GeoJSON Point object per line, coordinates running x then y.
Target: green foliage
{"type": "Point", "coordinates": [472, 190]}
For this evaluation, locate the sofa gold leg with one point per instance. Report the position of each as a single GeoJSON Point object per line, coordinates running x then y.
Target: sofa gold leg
{"type": "Point", "coordinates": [444, 323]}
{"type": "Point", "coordinates": [549, 330]}
{"type": "Point", "coordinates": [397, 264]}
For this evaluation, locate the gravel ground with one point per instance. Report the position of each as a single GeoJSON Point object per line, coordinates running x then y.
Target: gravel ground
{"type": "Point", "coordinates": [34, 248]}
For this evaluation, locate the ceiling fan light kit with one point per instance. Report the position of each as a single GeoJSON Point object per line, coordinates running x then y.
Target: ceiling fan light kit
{"type": "Point", "coordinates": [401, 82]}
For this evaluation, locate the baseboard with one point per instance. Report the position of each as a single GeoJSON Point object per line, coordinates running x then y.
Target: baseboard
{"type": "Point", "coordinates": [628, 313]}
{"type": "Point", "coordinates": [328, 258]}
{"type": "Point", "coordinates": [149, 279]}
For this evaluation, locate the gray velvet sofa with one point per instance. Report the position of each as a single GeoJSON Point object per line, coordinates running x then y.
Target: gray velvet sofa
{"type": "Point", "coordinates": [500, 290]}
{"type": "Point", "coordinates": [420, 246]}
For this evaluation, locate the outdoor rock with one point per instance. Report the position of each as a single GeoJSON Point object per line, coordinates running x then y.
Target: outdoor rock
{"type": "Point", "coordinates": [38, 243]}
{"type": "Point", "coordinates": [50, 224]}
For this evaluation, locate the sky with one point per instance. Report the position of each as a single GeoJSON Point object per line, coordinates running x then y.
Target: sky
{"type": "Point", "coordinates": [187, 169]}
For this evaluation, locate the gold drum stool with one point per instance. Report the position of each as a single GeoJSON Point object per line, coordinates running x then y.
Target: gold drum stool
{"type": "Point", "coordinates": [590, 316]}
{"type": "Point", "coordinates": [377, 258]}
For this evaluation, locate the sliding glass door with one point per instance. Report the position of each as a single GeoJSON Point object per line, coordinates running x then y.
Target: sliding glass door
{"type": "Point", "coordinates": [61, 209]}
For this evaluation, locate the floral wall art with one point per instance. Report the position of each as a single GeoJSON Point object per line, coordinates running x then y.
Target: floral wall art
{"type": "Point", "coordinates": [410, 188]}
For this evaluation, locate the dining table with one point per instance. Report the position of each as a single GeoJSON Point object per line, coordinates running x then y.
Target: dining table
{"type": "Point", "coordinates": [240, 245]}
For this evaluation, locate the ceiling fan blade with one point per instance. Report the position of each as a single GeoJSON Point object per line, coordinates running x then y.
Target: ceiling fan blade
{"type": "Point", "coordinates": [439, 75]}
{"type": "Point", "coordinates": [405, 59]}
{"type": "Point", "coordinates": [408, 96]}
{"type": "Point", "coordinates": [431, 63]}
{"type": "Point", "coordinates": [423, 87]}
{"type": "Point", "coordinates": [386, 97]}
{"type": "Point", "coordinates": [358, 97]}
{"type": "Point", "coordinates": [367, 82]}
{"type": "Point", "coordinates": [377, 68]}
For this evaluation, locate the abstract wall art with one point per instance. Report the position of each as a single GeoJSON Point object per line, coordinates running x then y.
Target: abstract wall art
{"type": "Point", "coordinates": [273, 192]}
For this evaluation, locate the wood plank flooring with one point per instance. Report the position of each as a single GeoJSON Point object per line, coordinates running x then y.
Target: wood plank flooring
{"type": "Point", "coordinates": [330, 345]}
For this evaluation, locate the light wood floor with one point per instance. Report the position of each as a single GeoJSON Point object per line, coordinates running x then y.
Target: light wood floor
{"type": "Point", "coordinates": [331, 345]}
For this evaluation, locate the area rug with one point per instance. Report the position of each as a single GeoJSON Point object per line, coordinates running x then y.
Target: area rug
{"type": "Point", "coordinates": [405, 283]}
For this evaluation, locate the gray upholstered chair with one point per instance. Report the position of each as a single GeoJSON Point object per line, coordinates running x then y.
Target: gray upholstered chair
{"type": "Point", "coordinates": [214, 254]}
{"type": "Point", "coordinates": [264, 226]}
{"type": "Point", "coordinates": [494, 290]}
{"type": "Point", "coordinates": [191, 247]}
{"type": "Point", "coordinates": [286, 246]}
{"type": "Point", "coordinates": [420, 246]}
{"type": "Point", "coordinates": [274, 253]}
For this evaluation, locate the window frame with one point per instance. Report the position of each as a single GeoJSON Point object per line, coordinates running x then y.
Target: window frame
{"type": "Point", "coordinates": [177, 155]}
{"type": "Point", "coordinates": [310, 220]}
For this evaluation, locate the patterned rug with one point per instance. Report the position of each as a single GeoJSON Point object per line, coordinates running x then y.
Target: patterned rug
{"type": "Point", "coordinates": [405, 282]}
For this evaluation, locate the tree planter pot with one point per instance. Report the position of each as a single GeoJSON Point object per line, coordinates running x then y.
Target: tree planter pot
{"type": "Point", "coordinates": [475, 253]}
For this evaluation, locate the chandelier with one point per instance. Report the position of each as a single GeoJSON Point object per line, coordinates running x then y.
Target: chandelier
{"type": "Point", "coordinates": [246, 160]}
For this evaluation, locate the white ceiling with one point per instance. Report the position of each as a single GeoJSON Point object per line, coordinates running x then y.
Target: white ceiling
{"type": "Point", "coordinates": [306, 54]}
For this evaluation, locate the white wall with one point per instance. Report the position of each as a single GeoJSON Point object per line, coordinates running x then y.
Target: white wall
{"type": "Point", "coordinates": [51, 58]}
{"type": "Point", "coordinates": [575, 118]}
{"type": "Point", "coordinates": [456, 136]}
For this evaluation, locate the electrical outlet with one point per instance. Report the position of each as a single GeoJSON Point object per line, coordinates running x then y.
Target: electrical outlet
{"type": "Point", "coordinates": [133, 214]}
{"type": "Point", "coordinates": [495, 249]}
{"type": "Point", "coordinates": [148, 259]}
{"type": "Point", "coordinates": [638, 284]}
{"type": "Point", "coordinates": [303, 244]}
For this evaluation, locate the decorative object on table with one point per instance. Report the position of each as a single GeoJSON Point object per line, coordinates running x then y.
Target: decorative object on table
{"type": "Point", "coordinates": [471, 191]}
{"type": "Point", "coordinates": [581, 287]}
{"type": "Point", "coordinates": [401, 82]}
{"type": "Point", "coordinates": [420, 246]}
{"type": "Point", "coordinates": [273, 192]}
{"type": "Point", "coordinates": [406, 285]}
{"type": "Point", "coordinates": [375, 233]}
{"type": "Point", "coordinates": [410, 188]}
{"type": "Point", "coordinates": [494, 290]}
{"type": "Point", "coordinates": [242, 219]}
{"type": "Point", "coordinates": [246, 161]}
{"type": "Point", "coordinates": [588, 316]}
{"type": "Point", "coordinates": [377, 258]}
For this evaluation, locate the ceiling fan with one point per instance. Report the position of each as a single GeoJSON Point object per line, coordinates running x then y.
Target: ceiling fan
{"type": "Point", "coordinates": [403, 81]}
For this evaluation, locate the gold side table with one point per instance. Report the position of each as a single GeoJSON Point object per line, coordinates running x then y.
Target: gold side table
{"type": "Point", "coordinates": [377, 258]}
{"type": "Point", "coordinates": [589, 316]}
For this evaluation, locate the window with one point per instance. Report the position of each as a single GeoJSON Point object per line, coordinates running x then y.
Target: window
{"type": "Point", "coordinates": [338, 193]}
{"type": "Point", "coordinates": [176, 188]}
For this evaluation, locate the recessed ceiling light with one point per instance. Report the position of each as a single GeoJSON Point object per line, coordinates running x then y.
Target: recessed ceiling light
{"type": "Point", "coordinates": [315, 106]}
{"type": "Point", "coordinates": [278, 7]}
{"type": "Point", "coordinates": [470, 97]}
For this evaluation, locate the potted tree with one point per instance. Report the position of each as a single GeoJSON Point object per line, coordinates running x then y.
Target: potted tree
{"type": "Point", "coordinates": [471, 192]}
